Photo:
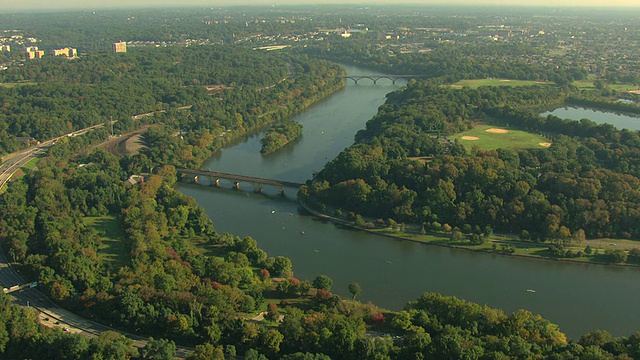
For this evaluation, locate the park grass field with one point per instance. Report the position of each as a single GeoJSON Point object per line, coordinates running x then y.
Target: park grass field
{"type": "Point", "coordinates": [113, 249]}
{"type": "Point", "coordinates": [476, 83]}
{"type": "Point", "coordinates": [10, 85]}
{"type": "Point", "coordinates": [31, 164]}
{"type": "Point", "coordinates": [201, 246]}
{"type": "Point", "coordinates": [588, 85]}
{"type": "Point", "coordinates": [584, 84]}
{"type": "Point", "coordinates": [494, 139]}
{"type": "Point", "coordinates": [624, 87]}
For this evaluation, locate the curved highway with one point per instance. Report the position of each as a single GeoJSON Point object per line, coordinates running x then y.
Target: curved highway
{"type": "Point", "coordinates": [50, 314]}
{"type": "Point", "coordinates": [54, 316]}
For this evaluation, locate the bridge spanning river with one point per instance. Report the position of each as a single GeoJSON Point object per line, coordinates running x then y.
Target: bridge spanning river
{"type": "Point", "coordinates": [375, 78]}
{"type": "Point", "coordinates": [215, 177]}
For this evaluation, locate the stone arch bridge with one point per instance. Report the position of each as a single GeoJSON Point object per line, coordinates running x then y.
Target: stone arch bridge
{"type": "Point", "coordinates": [215, 177]}
{"type": "Point", "coordinates": [375, 78]}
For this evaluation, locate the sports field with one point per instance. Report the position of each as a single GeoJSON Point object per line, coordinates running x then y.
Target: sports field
{"type": "Point", "coordinates": [491, 137]}
{"type": "Point", "coordinates": [476, 83]}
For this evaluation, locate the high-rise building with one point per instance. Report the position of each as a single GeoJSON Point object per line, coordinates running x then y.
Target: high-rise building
{"type": "Point", "coordinates": [34, 53]}
{"type": "Point", "coordinates": [120, 47]}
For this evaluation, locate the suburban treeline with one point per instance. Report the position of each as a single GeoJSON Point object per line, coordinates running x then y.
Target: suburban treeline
{"type": "Point", "coordinates": [585, 183]}
{"type": "Point", "coordinates": [451, 63]}
{"type": "Point", "coordinates": [280, 135]}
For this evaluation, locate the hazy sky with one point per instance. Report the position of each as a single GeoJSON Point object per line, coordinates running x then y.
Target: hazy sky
{"type": "Point", "coordinates": [96, 4]}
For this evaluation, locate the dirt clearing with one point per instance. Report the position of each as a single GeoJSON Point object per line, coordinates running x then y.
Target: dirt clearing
{"type": "Point", "coordinates": [497, 131]}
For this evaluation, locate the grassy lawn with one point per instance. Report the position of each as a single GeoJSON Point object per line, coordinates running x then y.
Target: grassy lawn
{"type": "Point", "coordinates": [624, 87]}
{"type": "Point", "coordinates": [10, 85]}
{"type": "Point", "coordinates": [31, 164]}
{"type": "Point", "coordinates": [487, 140]}
{"type": "Point", "coordinates": [509, 245]}
{"type": "Point", "coordinates": [199, 245]}
{"type": "Point", "coordinates": [584, 84]}
{"type": "Point", "coordinates": [113, 249]}
{"type": "Point", "coordinates": [476, 83]}
{"type": "Point", "coordinates": [588, 84]}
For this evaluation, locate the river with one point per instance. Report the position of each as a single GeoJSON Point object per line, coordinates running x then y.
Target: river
{"type": "Point", "coordinates": [578, 297]}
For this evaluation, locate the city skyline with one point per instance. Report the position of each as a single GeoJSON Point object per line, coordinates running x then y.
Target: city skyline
{"type": "Point", "coordinates": [96, 4]}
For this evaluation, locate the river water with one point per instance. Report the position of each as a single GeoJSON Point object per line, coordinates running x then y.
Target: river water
{"type": "Point", "coordinates": [578, 297]}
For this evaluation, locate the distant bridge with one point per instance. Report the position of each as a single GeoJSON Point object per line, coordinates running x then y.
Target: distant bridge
{"type": "Point", "coordinates": [375, 78]}
{"type": "Point", "coordinates": [215, 176]}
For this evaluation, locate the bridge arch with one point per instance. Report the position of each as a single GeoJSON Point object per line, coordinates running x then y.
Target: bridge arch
{"type": "Point", "coordinates": [375, 78]}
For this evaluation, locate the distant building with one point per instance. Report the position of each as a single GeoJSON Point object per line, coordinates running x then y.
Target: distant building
{"type": "Point", "coordinates": [120, 47]}
{"type": "Point", "coordinates": [34, 53]}
{"type": "Point", "coordinates": [133, 180]}
{"type": "Point", "coordinates": [67, 52]}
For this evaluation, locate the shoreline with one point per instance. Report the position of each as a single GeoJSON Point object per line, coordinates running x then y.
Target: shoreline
{"type": "Point", "coordinates": [452, 246]}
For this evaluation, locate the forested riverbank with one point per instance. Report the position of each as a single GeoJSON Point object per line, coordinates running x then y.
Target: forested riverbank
{"type": "Point", "coordinates": [145, 258]}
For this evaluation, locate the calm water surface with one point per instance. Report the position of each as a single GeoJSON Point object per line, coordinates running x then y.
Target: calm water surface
{"type": "Point", "coordinates": [597, 116]}
{"type": "Point", "coordinates": [578, 297]}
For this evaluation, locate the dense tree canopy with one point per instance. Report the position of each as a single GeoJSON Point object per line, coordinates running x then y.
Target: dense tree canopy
{"type": "Point", "coordinates": [587, 181]}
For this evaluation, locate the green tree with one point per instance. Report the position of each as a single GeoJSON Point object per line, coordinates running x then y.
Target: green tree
{"type": "Point", "coordinates": [206, 352]}
{"type": "Point", "coordinates": [282, 267]}
{"type": "Point", "coordinates": [160, 349]}
{"type": "Point", "coordinates": [615, 256]}
{"type": "Point", "coordinates": [355, 289]}
{"type": "Point", "coordinates": [323, 282]}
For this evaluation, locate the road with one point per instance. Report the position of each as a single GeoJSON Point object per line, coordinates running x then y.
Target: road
{"type": "Point", "coordinates": [12, 162]}
{"type": "Point", "coordinates": [18, 160]}
{"type": "Point", "coordinates": [54, 316]}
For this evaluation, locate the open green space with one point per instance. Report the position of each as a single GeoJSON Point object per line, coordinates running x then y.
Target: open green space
{"type": "Point", "coordinates": [29, 166]}
{"type": "Point", "coordinates": [488, 138]}
{"type": "Point", "coordinates": [113, 249]}
{"type": "Point", "coordinates": [510, 245]}
{"type": "Point", "coordinates": [624, 87]}
{"type": "Point", "coordinates": [476, 83]}
{"type": "Point", "coordinates": [203, 247]}
{"type": "Point", "coordinates": [10, 85]}
{"type": "Point", "coordinates": [588, 84]}
{"type": "Point", "coordinates": [584, 84]}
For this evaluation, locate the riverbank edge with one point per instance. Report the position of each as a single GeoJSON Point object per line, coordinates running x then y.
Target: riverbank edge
{"type": "Point", "coordinates": [309, 102]}
{"type": "Point", "coordinates": [350, 224]}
